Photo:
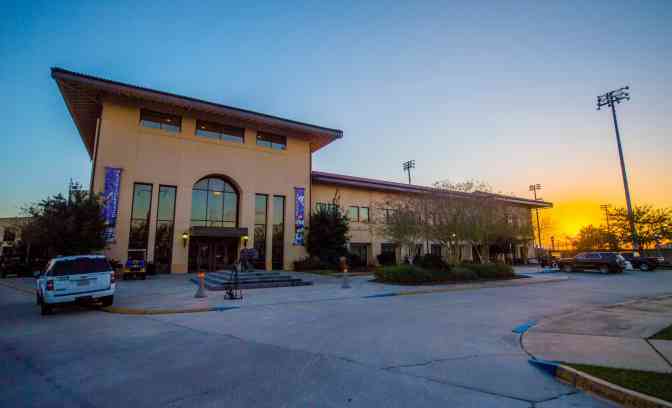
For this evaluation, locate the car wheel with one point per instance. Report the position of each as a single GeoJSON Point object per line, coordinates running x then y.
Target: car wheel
{"type": "Point", "coordinates": [107, 300]}
{"type": "Point", "coordinates": [644, 267]}
{"type": "Point", "coordinates": [604, 269]}
{"type": "Point", "coordinates": [46, 309]}
{"type": "Point", "coordinates": [567, 268]}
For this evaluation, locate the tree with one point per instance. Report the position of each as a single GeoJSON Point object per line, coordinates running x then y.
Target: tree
{"type": "Point", "coordinates": [328, 232]}
{"type": "Point", "coordinates": [653, 225]}
{"type": "Point", "coordinates": [591, 238]}
{"type": "Point", "coordinates": [472, 213]}
{"type": "Point", "coordinates": [66, 226]}
{"type": "Point", "coordinates": [400, 221]}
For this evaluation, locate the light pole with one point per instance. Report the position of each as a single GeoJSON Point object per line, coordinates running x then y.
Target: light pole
{"type": "Point", "coordinates": [610, 99]}
{"type": "Point", "coordinates": [605, 208]}
{"type": "Point", "coordinates": [407, 167]}
{"type": "Point", "coordinates": [534, 188]}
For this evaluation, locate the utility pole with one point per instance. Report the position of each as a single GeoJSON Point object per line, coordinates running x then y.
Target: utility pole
{"type": "Point", "coordinates": [610, 99]}
{"type": "Point", "coordinates": [534, 188]}
{"type": "Point", "coordinates": [407, 168]}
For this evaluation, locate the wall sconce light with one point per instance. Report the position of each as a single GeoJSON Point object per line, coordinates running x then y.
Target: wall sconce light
{"type": "Point", "coordinates": [185, 238]}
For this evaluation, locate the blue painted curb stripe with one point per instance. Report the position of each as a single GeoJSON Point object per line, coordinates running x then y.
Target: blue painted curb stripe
{"type": "Point", "coordinates": [551, 367]}
{"type": "Point", "coordinates": [378, 295]}
{"type": "Point", "coordinates": [223, 308]}
{"type": "Point", "coordinates": [524, 327]}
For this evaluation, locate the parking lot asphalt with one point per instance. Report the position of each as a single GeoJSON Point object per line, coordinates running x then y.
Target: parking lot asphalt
{"type": "Point", "coordinates": [442, 349]}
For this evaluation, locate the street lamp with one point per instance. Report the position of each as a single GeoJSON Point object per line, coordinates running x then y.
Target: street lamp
{"type": "Point", "coordinates": [534, 188]}
{"type": "Point", "coordinates": [610, 99]}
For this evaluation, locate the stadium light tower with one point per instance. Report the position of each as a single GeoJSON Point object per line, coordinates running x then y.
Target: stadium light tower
{"type": "Point", "coordinates": [535, 187]}
{"type": "Point", "coordinates": [407, 168]}
{"type": "Point", "coordinates": [610, 99]}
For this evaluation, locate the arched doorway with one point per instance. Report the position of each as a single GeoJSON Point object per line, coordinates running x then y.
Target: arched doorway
{"type": "Point", "coordinates": [214, 232]}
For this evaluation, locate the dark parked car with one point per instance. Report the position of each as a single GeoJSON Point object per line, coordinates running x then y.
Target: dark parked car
{"type": "Point", "coordinates": [643, 263]}
{"type": "Point", "coordinates": [604, 262]}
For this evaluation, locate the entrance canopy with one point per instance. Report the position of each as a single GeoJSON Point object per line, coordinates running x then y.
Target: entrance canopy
{"type": "Point", "coordinates": [217, 232]}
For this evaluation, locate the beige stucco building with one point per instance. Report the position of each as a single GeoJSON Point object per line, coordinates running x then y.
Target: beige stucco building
{"type": "Point", "coordinates": [190, 180]}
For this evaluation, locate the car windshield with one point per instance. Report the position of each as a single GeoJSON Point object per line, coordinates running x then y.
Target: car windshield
{"type": "Point", "coordinates": [79, 266]}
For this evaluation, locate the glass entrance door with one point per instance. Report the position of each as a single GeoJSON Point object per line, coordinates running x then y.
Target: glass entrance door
{"type": "Point", "coordinates": [209, 254]}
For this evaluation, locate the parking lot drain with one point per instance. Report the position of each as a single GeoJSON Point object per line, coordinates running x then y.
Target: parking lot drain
{"type": "Point", "coordinates": [524, 327]}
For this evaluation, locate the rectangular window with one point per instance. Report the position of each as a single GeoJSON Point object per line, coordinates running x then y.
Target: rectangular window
{"type": "Point", "coordinates": [158, 120]}
{"type": "Point", "coordinates": [271, 140]}
{"type": "Point", "coordinates": [387, 248]}
{"type": "Point", "coordinates": [436, 249]}
{"type": "Point", "coordinates": [278, 232]}
{"type": "Point", "coordinates": [165, 220]}
{"type": "Point", "coordinates": [328, 207]}
{"type": "Point", "coordinates": [9, 235]}
{"type": "Point", "coordinates": [216, 131]}
{"type": "Point", "coordinates": [142, 203]}
{"type": "Point", "coordinates": [260, 222]}
{"type": "Point", "coordinates": [363, 214]}
{"type": "Point", "coordinates": [353, 214]}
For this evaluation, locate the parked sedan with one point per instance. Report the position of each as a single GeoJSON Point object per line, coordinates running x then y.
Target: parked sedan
{"type": "Point", "coordinates": [604, 262]}
{"type": "Point", "coordinates": [643, 263]}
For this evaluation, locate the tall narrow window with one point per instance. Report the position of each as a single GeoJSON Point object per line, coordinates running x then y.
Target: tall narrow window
{"type": "Point", "coordinates": [260, 222]}
{"type": "Point", "coordinates": [158, 120]}
{"type": "Point", "coordinates": [363, 214]}
{"type": "Point", "coordinates": [278, 232]}
{"type": "Point", "coordinates": [165, 220]}
{"type": "Point", "coordinates": [353, 214]}
{"type": "Point", "coordinates": [142, 203]}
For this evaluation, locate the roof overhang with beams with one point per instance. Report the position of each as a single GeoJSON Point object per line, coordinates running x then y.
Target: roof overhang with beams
{"type": "Point", "coordinates": [84, 95]}
{"type": "Point", "coordinates": [319, 177]}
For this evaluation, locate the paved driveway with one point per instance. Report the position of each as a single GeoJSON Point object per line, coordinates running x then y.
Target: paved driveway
{"type": "Point", "coordinates": [441, 349]}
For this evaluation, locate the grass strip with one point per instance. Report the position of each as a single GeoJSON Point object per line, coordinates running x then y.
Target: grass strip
{"type": "Point", "coordinates": [665, 334]}
{"type": "Point", "coordinates": [657, 385]}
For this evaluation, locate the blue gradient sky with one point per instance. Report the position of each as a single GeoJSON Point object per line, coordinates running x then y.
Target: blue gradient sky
{"type": "Point", "coordinates": [483, 90]}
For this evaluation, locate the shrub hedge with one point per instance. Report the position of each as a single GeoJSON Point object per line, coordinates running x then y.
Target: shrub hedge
{"type": "Point", "coordinates": [421, 274]}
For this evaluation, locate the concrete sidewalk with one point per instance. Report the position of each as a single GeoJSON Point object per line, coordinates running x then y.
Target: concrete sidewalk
{"type": "Point", "coordinates": [166, 294]}
{"type": "Point", "coordinates": [610, 336]}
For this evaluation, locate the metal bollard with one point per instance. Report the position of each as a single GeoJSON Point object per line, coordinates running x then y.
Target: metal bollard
{"type": "Point", "coordinates": [200, 292]}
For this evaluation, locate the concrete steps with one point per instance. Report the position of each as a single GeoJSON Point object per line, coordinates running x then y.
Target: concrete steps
{"type": "Point", "coordinates": [250, 280]}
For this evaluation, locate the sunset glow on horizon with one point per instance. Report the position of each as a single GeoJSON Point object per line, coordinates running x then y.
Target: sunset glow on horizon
{"type": "Point", "coordinates": [478, 91]}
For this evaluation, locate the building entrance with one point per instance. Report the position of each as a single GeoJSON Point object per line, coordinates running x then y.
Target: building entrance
{"type": "Point", "coordinates": [212, 254]}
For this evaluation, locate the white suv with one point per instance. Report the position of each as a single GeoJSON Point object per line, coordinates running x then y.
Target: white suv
{"type": "Point", "coordinates": [81, 278]}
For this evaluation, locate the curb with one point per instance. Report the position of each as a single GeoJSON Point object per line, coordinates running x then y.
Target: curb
{"type": "Point", "coordinates": [145, 312]}
{"type": "Point", "coordinates": [138, 312]}
{"type": "Point", "coordinates": [599, 387]}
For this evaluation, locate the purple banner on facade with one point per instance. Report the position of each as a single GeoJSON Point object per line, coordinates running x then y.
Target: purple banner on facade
{"type": "Point", "coordinates": [111, 202]}
{"type": "Point", "coordinates": [299, 215]}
